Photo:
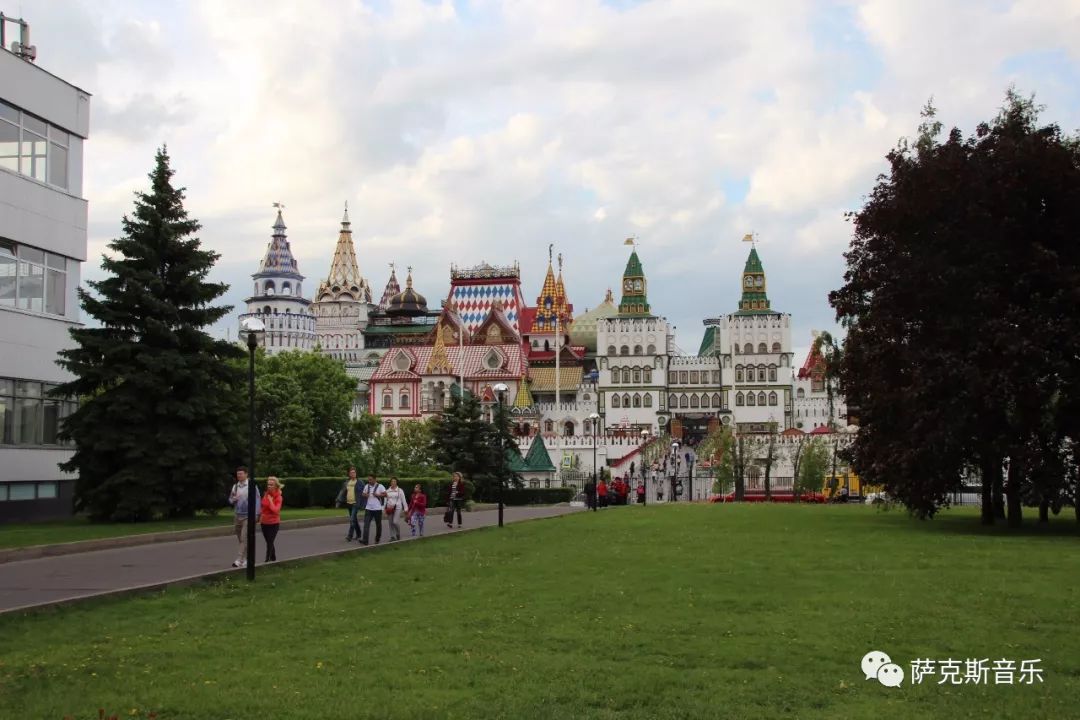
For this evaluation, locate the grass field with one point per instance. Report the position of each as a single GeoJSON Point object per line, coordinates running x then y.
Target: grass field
{"type": "Point", "coordinates": [665, 612]}
{"type": "Point", "coordinates": [76, 529]}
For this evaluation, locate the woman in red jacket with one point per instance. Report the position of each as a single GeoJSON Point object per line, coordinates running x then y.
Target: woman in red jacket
{"type": "Point", "coordinates": [271, 515]}
{"type": "Point", "coordinates": [417, 510]}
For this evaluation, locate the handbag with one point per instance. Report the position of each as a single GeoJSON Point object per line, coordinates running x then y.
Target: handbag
{"type": "Point", "coordinates": [390, 509]}
{"type": "Point", "coordinates": [448, 516]}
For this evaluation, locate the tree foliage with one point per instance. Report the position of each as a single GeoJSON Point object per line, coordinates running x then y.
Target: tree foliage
{"type": "Point", "coordinates": [959, 300]}
{"type": "Point", "coordinates": [154, 433]}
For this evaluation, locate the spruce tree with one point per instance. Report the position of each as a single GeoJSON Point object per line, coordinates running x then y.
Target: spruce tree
{"type": "Point", "coordinates": [154, 430]}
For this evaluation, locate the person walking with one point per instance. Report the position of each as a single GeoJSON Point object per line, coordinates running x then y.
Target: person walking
{"type": "Point", "coordinates": [641, 493]}
{"type": "Point", "coordinates": [347, 498]}
{"type": "Point", "coordinates": [601, 493]}
{"type": "Point", "coordinates": [372, 497]}
{"type": "Point", "coordinates": [238, 498]}
{"type": "Point", "coordinates": [417, 510]}
{"type": "Point", "coordinates": [271, 515]}
{"type": "Point", "coordinates": [457, 500]}
{"type": "Point", "coordinates": [396, 508]}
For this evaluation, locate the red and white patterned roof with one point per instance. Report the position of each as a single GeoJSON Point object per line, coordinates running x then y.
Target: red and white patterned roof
{"type": "Point", "coordinates": [470, 361]}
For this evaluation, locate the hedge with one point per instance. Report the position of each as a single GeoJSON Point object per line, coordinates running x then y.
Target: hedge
{"type": "Point", "coordinates": [538, 496]}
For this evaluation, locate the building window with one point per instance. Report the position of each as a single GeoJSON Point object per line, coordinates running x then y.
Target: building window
{"type": "Point", "coordinates": [716, 400]}
{"type": "Point", "coordinates": [615, 401]}
{"type": "Point", "coordinates": [647, 374]}
{"type": "Point", "coordinates": [672, 377]}
{"type": "Point", "coordinates": [772, 373]}
{"type": "Point", "coordinates": [783, 361]}
{"type": "Point", "coordinates": [683, 377]}
{"type": "Point", "coordinates": [738, 399]}
{"type": "Point", "coordinates": [626, 376]}
{"type": "Point", "coordinates": [637, 349]}
{"type": "Point", "coordinates": [651, 350]}
{"type": "Point", "coordinates": [800, 393]}
{"type": "Point", "coordinates": [626, 400]}
{"type": "Point", "coordinates": [776, 347]}
{"type": "Point", "coordinates": [614, 375]}
{"type": "Point", "coordinates": [694, 402]}
{"type": "Point", "coordinates": [637, 400]}
{"type": "Point", "coordinates": [624, 350]}
{"type": "Point", "coordinates": [762, 348]}
{"type": "Point", "coordinates": [761, 398]}
{"type": "Point", "coordinates": [549, 426]}
{"type": "Point", "coordinates": [33, 147]}
{"type": "Point", "coordinates": [637, 375]}
{"type": "Point", "coordinates": [684, 402]}
{"type": "Point", "coordinates": [751, 399]}
{"type": "Point", "coordinates": [32, 279]}
{"type": "Point", "coordinates": [748, 349]}
{"type": "Point", "coordinates": [610, 349]}
{"type": "Point", "coordinates": [694, 377]}
{"type": "Point", "coordinates": [672, 400]}
{"type": "Point", "coordinates": [647, 400]}
{"type": "Point", "coordinates": [388, 401]}
{"type": "Point", "coordinates": [568, 429]}
{"type": "Point", "coordinates": [28, 416]}
{"type": "Point", "coordinates": [761, 374]}
{"type": "Point", "coordinates": [738, 373]}
{"type": "Point", "coordinates": [772, 398]}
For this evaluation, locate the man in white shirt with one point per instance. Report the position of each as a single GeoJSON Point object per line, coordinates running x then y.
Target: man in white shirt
{"type": "Point", "coordinates": [372, 496]}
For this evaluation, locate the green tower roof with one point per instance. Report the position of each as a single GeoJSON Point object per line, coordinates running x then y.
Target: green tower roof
{"type": "Point", "coordinates": [634, 302]}
{"type": "Point", "coordinates": [753, 263]}
{"type": "Point", "coordinates": [633, 266]}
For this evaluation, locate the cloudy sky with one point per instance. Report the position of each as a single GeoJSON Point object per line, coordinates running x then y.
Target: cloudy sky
{"type": "Point", "coordinates": [485, 130]}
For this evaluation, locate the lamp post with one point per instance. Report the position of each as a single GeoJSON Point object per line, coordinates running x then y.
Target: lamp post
{"type": "Point", "coordinates": [500, 390]}
{"type": "Point", "coordinates": [690, 477]}
{"type": "Point", "coordinates": [254, 328]}
{"type": "Point", "coordinates": [674, 468]}
{"type": "Point", "coordinates": [644, 441]}
{"type": "Point", "coordinates": [594, 419]}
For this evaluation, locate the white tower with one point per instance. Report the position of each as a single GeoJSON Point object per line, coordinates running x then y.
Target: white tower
{"type": "Point", "coordinates": [343, 301]}
{"type": "Point", "coordinates": [278, 299]}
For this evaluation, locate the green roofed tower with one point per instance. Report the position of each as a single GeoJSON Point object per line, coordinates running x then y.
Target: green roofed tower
{"type": "Point", "coordinates": [635, 299]}
{"type": "Point", "coordinates": [754, 299]}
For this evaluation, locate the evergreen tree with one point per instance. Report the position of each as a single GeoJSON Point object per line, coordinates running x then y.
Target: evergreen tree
{"type": "Point", "coordinates": [154, 431]}
{"type": "Point", "coordinates": [461, 439]}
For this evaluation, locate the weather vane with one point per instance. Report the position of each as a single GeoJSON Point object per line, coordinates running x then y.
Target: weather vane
{"type": "Point", "coordinates": [750, 238]}
{"type": "Point", "coordinates": [560, 262]}
{"type": "Point", "coordinates": [279, 206]}
{"type": "Point", "coordinates": [551, 246]}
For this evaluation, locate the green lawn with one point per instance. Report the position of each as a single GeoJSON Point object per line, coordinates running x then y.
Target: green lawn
{"type": "Point", "coordinates": [747, 611]}
{"type": "Point", "coordinates": [23, 534]}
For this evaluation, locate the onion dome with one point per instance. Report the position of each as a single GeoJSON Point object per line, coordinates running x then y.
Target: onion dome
{"type": "Point", "coordinates": [408, 302]}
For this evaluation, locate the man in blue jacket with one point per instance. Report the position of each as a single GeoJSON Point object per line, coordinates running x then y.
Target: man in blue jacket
{"type": "Point", "coordinates": [238, 498]}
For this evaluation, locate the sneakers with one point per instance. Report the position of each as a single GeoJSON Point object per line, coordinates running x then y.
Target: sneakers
{"type": "Point", "coordinates": [236, 563]}
{"type": "Point", "coordinates": [239, 563]}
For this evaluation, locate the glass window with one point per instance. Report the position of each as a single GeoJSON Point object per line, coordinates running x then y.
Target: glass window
{"type": "Point", "coordinates": [694, 377]}
{"type": "Point", "coordinates": [637, 375]}
{"type": "Point", "coordinates": [683, 378]}
{"type": "Point", "coordinates": [47, 490]}
{"type": "Point", "coordinates": [58, 136]}
{"type": "Point", "coordinates": [55, 292]}
{"type": "Point", "coordinates": [51, 415]}
{"type": "Point", "coordinates": [33, 155]}
{"type": "Point", "coordinates": [672, 377]}
{"type": "Point", "coordinates": [9, 146]}
{"type": "Point", "coordinates": [7, 420]}
{"type": "Point", "coordinates": [26, 388]}
{"type": "Point", "coordinates": [35, 125]}
{"type": "Point", "coordinates": [8, 266]}
{"type": "Point", "coordinates": [9, 113]}
{"type": "Point", "coordinates": [31, 287]}
{"type": "Point", "coordinates": [20, 491]}
{"type": "Point", "coordinates": [27, 421]}
{"type": "Point", "coordinates": [647, 374]}
{"type": "Point", "coordinates": [648, 401]}
{"type": "Point", "coordinates": [56, 262]}
{"type": "Point", "coordinates": [58, 166]}
{"type": "Point", "coordinates": [30, 254]}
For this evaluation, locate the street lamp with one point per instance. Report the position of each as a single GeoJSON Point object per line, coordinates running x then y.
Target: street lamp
{"type": "Point", "coordinates": [595, 418]}
{"type": "Point", "coordinates": [254, 328]}
{"type": "Point", "coordinates": [674, 467]}
{"type": "Point", "coordinates": [500, 390]}
{"type": "Point", "coordinates": [644, 440]}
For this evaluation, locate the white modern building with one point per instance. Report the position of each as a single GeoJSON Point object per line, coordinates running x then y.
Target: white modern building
{"type": "Point", "coordinates": [43, 243]}
{"type": "Point", "coordinates": [278, 299]}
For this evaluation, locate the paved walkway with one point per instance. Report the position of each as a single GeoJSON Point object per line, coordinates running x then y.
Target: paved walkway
{"type": "Point", "coordinates": [42, 581]}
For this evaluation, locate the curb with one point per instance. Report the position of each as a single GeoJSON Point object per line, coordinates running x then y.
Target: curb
{"type": "Point", "coordinates": [35, 552]}
{"type": "Point", "coordinates": [239, 573]}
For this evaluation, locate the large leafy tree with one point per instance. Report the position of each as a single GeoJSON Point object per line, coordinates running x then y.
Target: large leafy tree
{"type": "Point", "coordinates": [959, 300]}
{"type": "Point", "coordinates": [154, 432]}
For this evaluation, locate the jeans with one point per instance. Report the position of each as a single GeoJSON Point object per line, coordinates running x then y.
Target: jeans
{"type": "Point", "coordinates": [417, 522]}
{"type": "Point", "coordinates": [395, 527]}
{"type": "Point", "coordinates": [269, 535]}
{"type": "Point", "coordinates": [354, 522]}
{"type": "Point", "coordinates": [370, 515]}
{"type": "Point", "coordinates": [455, 505]}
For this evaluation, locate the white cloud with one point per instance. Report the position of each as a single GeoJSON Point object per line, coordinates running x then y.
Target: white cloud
{"type": "Point", "coordinates": [491, 130]}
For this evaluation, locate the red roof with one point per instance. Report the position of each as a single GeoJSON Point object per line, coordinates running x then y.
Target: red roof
{"type": "Point", "coordinates": [812, 358]}
{"type": "Point", "coordinates": [468, 361]}
{"type": "Point", "coordinates": [793, 432]}
{"type": "Point", "coordinates": [821, 430]}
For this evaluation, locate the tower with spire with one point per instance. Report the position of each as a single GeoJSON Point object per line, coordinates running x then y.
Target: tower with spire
{"type": "Point", "coordinates": [754, 299]}
{"type": "Point", "coordinates": [278, 298]}
{"type": "Point", "coordinates": [343, 301]}
{"type": "Point", "coordinates": [635, 300]}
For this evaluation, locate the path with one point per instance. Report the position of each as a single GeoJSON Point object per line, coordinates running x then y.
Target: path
{"type": "Point", "coordinates": [42, 581]}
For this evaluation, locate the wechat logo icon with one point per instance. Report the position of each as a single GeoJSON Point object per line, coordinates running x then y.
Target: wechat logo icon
{"type": "Point", "coordinates": [876, 664]}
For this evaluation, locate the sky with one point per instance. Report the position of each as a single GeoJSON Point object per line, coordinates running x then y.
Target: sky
{"type": "Point", "coordinates": [479, 130]}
